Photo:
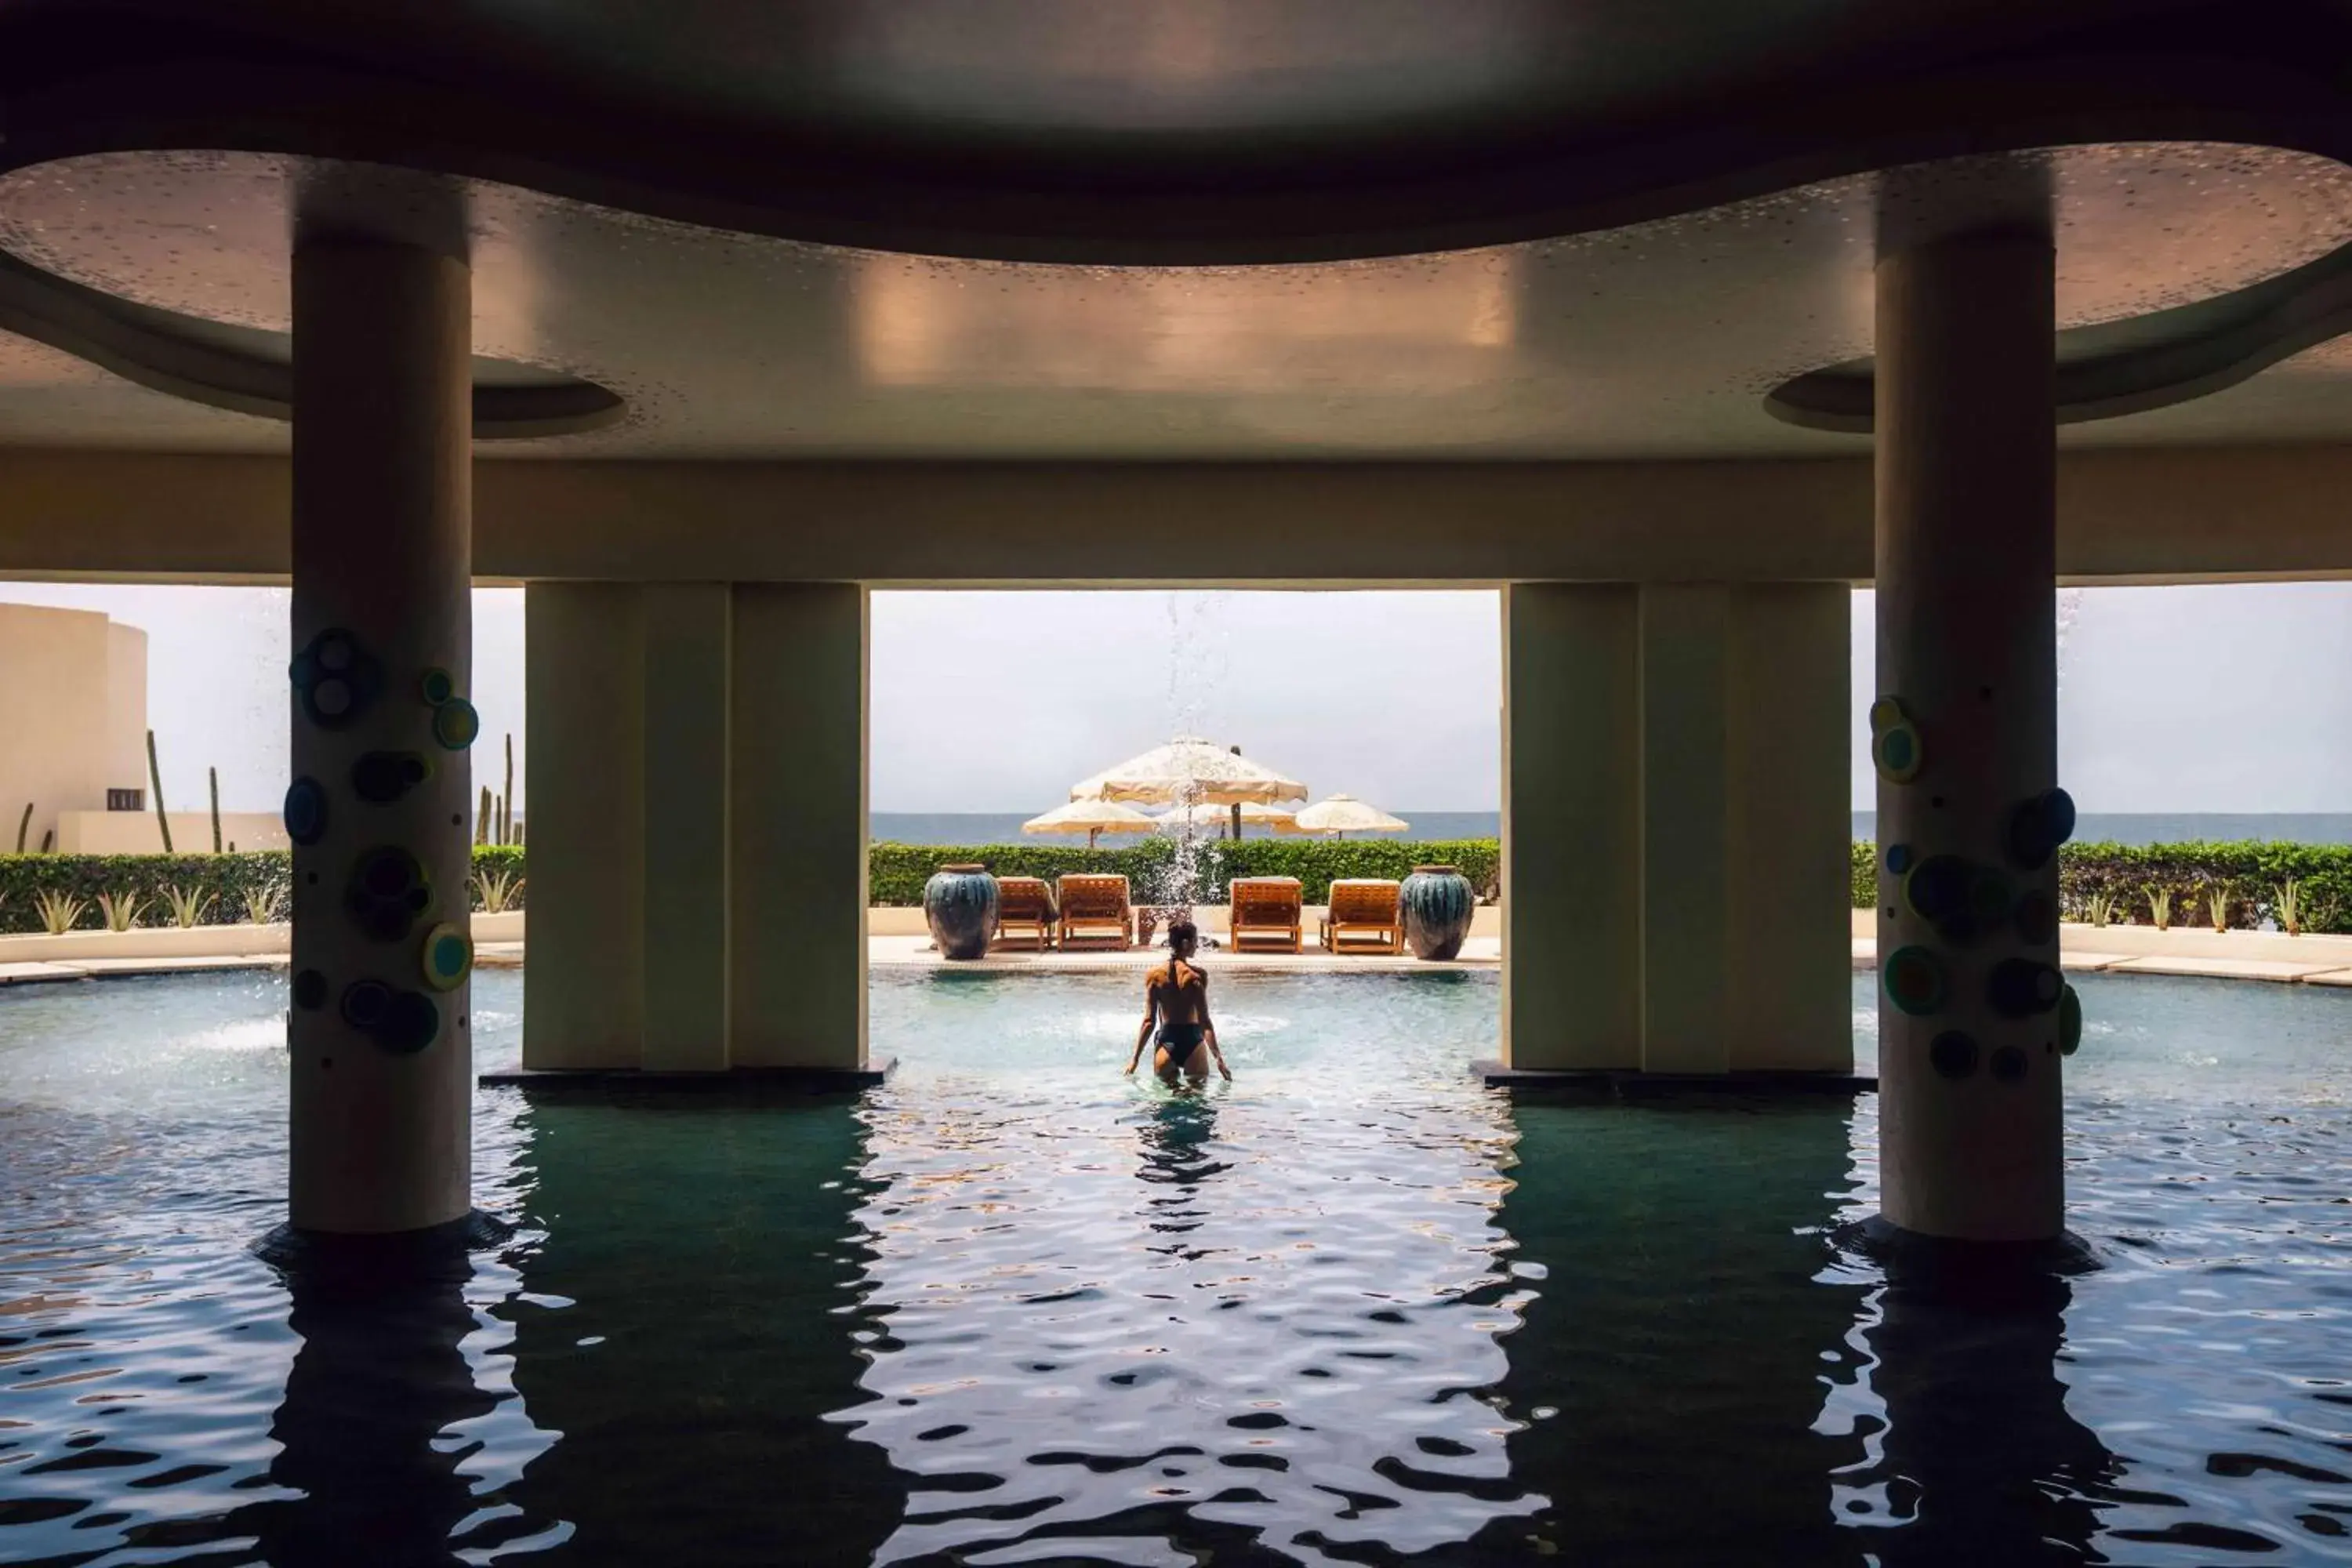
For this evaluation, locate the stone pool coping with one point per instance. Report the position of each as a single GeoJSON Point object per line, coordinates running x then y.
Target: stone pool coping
{"type": "Point", "coordinates": [2274, 956]}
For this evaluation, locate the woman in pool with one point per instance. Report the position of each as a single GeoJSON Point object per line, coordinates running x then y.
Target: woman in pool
{"type": "Point", "coordinates": [1177, 1000]}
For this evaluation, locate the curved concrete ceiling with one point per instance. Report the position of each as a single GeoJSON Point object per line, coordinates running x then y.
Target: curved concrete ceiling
{"type": "Point", "coordinates": [1660, 339]}
{"type": "Point", "coordinates": [1168, 228]}
{"type": "Point", "coordinates": [1164, 131]}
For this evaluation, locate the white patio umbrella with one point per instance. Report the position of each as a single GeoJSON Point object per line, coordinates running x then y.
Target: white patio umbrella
{"type": "Point", "coordinates": [1090, 818]}
{"type": "Point", "coordinates": [1344, 814]}
{"type": "Point", "coordinates": [1188, 770]}
{"type": "Point", "coordinates": [1250, 812]}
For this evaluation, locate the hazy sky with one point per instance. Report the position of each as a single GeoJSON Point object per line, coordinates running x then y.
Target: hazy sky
{"type": "Point", "coordinates": [2171, 700]}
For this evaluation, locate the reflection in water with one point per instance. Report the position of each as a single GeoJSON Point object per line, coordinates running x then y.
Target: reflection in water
{"type": "Point", "coordinates": [694, 1326]}
{"type": "Point", "coordinates": [377, 1382]}
{"type": "Point", "coordinates": [1671, 1347]}
{"type": "Point", "coordinates": [1971, 1453]}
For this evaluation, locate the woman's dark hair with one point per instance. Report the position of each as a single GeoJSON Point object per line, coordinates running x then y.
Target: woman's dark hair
{"type": "Point", "coordinates": [1181, 931]}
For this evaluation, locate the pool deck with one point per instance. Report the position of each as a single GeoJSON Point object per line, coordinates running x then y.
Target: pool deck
{"type": "Point", "coordinates": [2270, 956]}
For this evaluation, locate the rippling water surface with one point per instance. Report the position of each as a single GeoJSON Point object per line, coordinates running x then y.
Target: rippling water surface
{"type": "Point", "coordinates": [1014, 1308]}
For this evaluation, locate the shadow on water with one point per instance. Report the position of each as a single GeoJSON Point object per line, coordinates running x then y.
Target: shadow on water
{"type": "Point", "coordinates": [693, 1325]}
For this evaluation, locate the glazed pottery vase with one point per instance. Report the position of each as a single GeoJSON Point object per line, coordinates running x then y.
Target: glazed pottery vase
{"type": "Point", "coordinates": [960, 906]}
{"type": "Point", "coordinates": [1438, 903]}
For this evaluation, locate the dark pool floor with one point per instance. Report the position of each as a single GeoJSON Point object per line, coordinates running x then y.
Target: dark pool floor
{"type": "Point", "coordinates": [1012, 1308]}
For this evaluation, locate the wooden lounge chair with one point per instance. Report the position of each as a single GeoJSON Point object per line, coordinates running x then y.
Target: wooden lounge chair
{"type": "Point", "coordinates": [1024, 913]}
{"type": "Point", "coordinates": [1265, 914]}
{"type": "Point", "coordinates": [1094, 912]}
{"type": "Point", "coordinates": [1366, 916]}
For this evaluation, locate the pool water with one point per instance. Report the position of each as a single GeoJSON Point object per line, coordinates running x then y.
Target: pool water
{"type": "Point", "coordinates": [1015, 1308]}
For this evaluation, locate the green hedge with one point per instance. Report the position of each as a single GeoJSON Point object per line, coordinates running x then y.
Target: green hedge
{"type": "Point", "coordinates": [224, 878]}
{"type": "Point", "coordinates": [2251, 871]}
{"type": "Point", "coordinates": [897, 872]}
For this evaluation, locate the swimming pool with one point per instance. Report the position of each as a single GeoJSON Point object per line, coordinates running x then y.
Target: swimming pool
{"type": "Point", "coordinates": [1011, 1308]}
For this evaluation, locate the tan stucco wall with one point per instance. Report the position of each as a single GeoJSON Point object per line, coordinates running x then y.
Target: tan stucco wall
{"type": "Point", "coordinates": [135, 833]}
{"type": "Point", "coordinates": [126, 706]}
{"type": "Point", "coordinates": [2181, 515]}
{"type": "Point", "coordinates": [53, 716]}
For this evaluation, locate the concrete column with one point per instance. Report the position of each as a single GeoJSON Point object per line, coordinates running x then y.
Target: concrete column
{"type": "Point", "coordinates": [584, 681]}
{"type": "Point", "coordinates": [381, 1064]}
{"type": "Point", "coordinates": [1674, 827]}
{"type": "Point", "coordinates": [1571, 827]}
{"type": "Point", "coordinates": [796, 922]}
{"type": "Point", "coordinates": [1966, 739]}
{"type": "Point", "coordinates": [688, 656]}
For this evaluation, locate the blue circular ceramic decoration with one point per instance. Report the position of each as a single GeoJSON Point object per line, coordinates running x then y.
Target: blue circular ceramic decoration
{"type": "Point", "coordinates": [1898, 858]}
{"type": "Point", "coordinates": [1953, 1055]}
{"type": "Point", "coordinates": [1897, 753]}
{"type": "Point", "coordinates": [447, 956]}
{"type": "Point", "coordinates": [2069, 1020]}
{"type": "Point", "coordinates": [305, 811]}
{"type": "Point", "coordinates": [382, 777]}
{"type": "Point", "coordinates": [310, 990]}
{"type": "Point", "coordinates": [334, 651]}
{"type": "Point", "coordinates": [389, 889]}
{"type": "Point", "coordinates": [454, 725]}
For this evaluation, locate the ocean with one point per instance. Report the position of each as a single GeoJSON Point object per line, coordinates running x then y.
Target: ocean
{"type": "Point", "coordinates": [2122, 827]}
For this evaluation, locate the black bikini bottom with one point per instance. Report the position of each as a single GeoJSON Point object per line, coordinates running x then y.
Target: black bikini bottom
{"type": "Point", "coordinates": [1179, 1040]}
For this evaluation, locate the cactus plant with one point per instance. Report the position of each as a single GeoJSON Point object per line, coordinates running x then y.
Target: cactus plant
{"type": "Point", "coordinates": [482, 818]}
{"type": "Point", "coordinates": [212, 779]}
{"type": "Point", "coordinates": [119, 910]}
{"type": "Point", "coordinates": [155, 782]}
{"type": "Point", "coordinates": [506, 801]}
{"type": "Point", "coordinates": [59, 910]}
{"type": "Point", "coordinates": [24, 824]}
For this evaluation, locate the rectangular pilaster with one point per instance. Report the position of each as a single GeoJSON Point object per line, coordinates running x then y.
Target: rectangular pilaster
{"type": "Point", "coordinates": [1674, 821]}
{"type": "Point", "coordinates": [684, 827]}
{"type": "Point", "coordinates": [1688, 929]}
{"type": "Point", "coordinates": [1571, 827]}
{"type": "Point", "coordinates": [583, 683]}
{"type": "Point", "coordinates": [1787, 882]}
{"type": "Point", "coordinates": [796, 925]}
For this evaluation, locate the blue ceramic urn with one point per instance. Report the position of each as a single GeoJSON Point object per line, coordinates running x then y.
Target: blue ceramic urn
{"type": "Point", "coordinates": [1438, 903]}
{"type": "Point", "coordinates": [960, 906]}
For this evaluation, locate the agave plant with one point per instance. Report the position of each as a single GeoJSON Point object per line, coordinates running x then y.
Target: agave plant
{"type": "Point", "coordinates": [261, 904]}
{"type": "Point", "coordinates": [2290, 907]}
{"type": "Point", "coordinates": [119, 910]}
{"type": "Point", "coordinates": [58, 912]}
{"type": "Point", "coordinates": [2101, 908]}
{"type": "Point", "coordinates": [188, 905]}
{"type": "Point", "coordinates": [2159, 906]}
{"type": "Point", "coordinates": [498, 890]}
{"type": "Point", "coordinates": [2217, 904]}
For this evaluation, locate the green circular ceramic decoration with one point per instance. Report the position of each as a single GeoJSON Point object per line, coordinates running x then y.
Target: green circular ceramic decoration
{"type": "Point", "coordinates": [437, 686]}
{"type": "Point", "coordinates": [335, 652]}
{"type": "Point", "coordinates": [1885, 713]}
{"type": "Point", "coordinates": [1914, 978]}
{"type": "Point", "coordinates": [2069, 1020]}
{"type": "Point", "coordinates": [448, 957]}
{"type": "Point", "coordinates": [410, 1022]}
{"type": "Point", "coordinates": [454, 725]}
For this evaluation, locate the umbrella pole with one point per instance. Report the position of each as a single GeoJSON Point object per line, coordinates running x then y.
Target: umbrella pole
{"type": "Point", "coordinates": [1237, 821]}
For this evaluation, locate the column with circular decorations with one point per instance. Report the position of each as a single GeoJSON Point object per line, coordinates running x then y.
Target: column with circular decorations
{"type": "Point", "coordinates": [378, 810]}
{"type": "Point", "coordinates": [1975, 1016]}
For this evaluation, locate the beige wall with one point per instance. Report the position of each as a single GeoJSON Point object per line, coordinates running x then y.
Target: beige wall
{"type": "Point", "coordinates": [54, 716]}
{"type": "Point", "coordinates": [126, 708]}
{"type": "Point", "coordinates": [135, 833]}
